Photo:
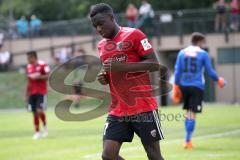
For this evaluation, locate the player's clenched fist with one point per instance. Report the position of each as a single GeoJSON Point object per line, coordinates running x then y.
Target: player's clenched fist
{"type": "Point", "coordinates": [107, 64]}
{"type": "Point", "coordinates": [102, 78]}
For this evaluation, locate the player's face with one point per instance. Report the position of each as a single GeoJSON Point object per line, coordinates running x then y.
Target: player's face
{"type": "Point", "coordinates": [104, 24]}
{"type": "Point", "coordinates": [31, 59]}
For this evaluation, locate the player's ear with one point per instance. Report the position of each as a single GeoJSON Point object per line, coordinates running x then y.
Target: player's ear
{"type": "Point", "coordinates": [111, 17]}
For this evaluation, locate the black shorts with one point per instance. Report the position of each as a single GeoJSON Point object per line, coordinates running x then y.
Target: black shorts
{"type": "Point", "coordinates": [77, 88]}
{"type": "Point", "coordinates": [37, 101]}
{"type": "Point", "coordinates": [192, 99]}
{"type": "Point", "coordinates": [145, 125]}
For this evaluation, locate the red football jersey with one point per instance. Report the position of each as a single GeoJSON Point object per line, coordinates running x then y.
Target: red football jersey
{"type": "Point", "coordinates": [130, 92]}
{"type": "Point", "coordinates": [36, 86]}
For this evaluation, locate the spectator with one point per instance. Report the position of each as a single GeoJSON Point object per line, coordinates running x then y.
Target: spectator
{"type": "Point", "coordinates": [220, 20]}
{"type": "Point", "coordinates": [22, 27]}
{"type": "Point", "coordinates": [5, 59]}
{"type": "Point", "coordinates": [35, 25]}
{"type": "Point", "coordinates": [131, 14]}
{"type": "Point", "coordinates": [76, 97]}
{"type": "Point", "coordinates": [79, 53]}
{"type": "Point", "coordinates": [234, 15]}
{"type": "Point", "coordinates": [1, 38]}
{"type": "Point", "coordinates": [63, 55]}
{"type": "Point", "coordinates": [146, 15]}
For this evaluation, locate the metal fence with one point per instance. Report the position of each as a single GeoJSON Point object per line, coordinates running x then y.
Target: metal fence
{"type": "Point", "coordinates": [164, 23]}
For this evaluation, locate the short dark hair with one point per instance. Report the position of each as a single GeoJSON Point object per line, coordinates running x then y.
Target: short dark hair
{"type": "Point", "coordinates": [197, 37]}
{"type": "Point", "coordinates": [100, 8]}
{"type": "Point", "coordinates": [32, 54]}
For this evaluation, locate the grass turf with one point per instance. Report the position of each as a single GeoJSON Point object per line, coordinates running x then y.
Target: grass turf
{"type": "Point", "coordinates": [217, 137]}
{"type": "Point", "coordinates": [13, 86]}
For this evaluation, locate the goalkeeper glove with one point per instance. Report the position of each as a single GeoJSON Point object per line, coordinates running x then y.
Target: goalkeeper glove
{"type": "Point", "coordinates": [221, 82]}
{"type": "Point", "coordinates": [177, 95]}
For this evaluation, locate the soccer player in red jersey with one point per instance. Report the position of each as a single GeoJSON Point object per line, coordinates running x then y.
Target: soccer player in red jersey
{"type": "Point", "coordinates": [127, 58]}
{"type": "Point", "coordinates": [37, 74]}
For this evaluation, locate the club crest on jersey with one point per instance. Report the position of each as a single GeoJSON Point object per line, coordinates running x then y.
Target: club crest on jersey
{"type": "Point", "coordinates": [146, 45]}
{"type": "Point", "coordinates": [123, 46]}
{"type": "Point", "coordinates": [119, 46]}
{"type": "Point", "coordinates": [154, 133]}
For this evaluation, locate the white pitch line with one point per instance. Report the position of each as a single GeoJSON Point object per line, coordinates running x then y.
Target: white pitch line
{"type": "Point", "coordinates": [207, 136]}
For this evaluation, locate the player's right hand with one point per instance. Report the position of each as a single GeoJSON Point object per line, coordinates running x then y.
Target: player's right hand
{"type": "Point", "coordinates": [102, 78]}
{"type": "Point", "coordinates": [221, 82]}
{"type": "Point", "coordinates": [177, 95]}
{"type": "Point", "coordinates": [34, 75]}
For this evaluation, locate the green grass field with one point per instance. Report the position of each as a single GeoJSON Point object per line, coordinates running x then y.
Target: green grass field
{"type": "Point", "coordinates": [217, 137]}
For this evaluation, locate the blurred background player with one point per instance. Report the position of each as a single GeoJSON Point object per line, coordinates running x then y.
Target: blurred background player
{"type": "Point", "coordinates": [5, 59]}
{"type": "Point", "coordinates": [63, 55]}
{"type": "Point", "coordinates": [37, 74]}
{"type": "Point", "coordinates": [131, 46]}
{"type": "Point", "coordinates": [76, 96]}
{"type": "Point", "coordinates": [189, 81]}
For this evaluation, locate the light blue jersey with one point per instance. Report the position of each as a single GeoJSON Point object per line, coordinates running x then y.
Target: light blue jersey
{"type": "Point", "coordinates": [190, 65]}
{"type": "Point", "coordinates": [35, 23]}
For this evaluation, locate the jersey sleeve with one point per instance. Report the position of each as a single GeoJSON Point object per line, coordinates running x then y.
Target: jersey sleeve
{"type": "Point", "coordinates": [141, 43]}
{"type": "Point", "coordinates": [177, 69]}
{"type": "Point", "coordinates": [208, 67]}
{"type": "Point", "coordinates": [45, 69]}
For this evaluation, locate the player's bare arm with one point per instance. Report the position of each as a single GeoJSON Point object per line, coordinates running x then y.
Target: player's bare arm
{"type": "Point", "coordinates": [149, 63]}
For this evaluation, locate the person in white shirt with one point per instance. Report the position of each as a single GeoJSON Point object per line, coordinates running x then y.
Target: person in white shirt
{"type": "Point", "coordinates": [145, 21]}
{"type": "Point", "coordinates": [63, 55]}
{"type": "Point", "coordinates": [4, 59]}
{"type": "Point", "coordinates": [146, 9]}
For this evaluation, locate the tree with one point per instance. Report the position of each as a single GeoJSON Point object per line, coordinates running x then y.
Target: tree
{"type": "Point", "coordinates": [51, 10]}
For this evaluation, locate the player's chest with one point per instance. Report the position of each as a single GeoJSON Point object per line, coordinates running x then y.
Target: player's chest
{"type": "Point", "coordinates": [34, 69]}
{"type": "Point", "coordinates": [121, 51]}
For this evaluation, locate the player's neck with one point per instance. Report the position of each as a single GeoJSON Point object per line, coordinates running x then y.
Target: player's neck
{"type": "Point", "coordinates": [35, 63]}
{"type": "Point", "coordinates": [115, 32]}
{"type": "Point", "coordinates": [196, 45]}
